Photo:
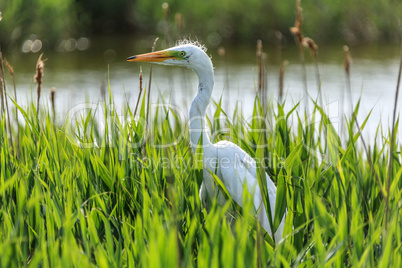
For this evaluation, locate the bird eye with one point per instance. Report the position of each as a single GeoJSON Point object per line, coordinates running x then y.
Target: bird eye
{"type": "Point", "coordinates": [182, 53]}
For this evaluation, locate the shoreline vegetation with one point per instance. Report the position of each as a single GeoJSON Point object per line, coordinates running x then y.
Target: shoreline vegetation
{"type": "Point", "coordinates": [125, 191]}
{"type": "Point", "coordinates": [216, 23]}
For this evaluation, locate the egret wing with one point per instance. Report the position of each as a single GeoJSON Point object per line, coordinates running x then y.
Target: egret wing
{"type": "Point", "coordinates": [237, 169]}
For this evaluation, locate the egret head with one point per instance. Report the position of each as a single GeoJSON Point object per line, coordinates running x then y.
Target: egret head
{"type": "Point", "coordinates": [186, 55]}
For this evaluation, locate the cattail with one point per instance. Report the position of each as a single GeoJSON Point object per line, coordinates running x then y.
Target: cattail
{"type": "Point", "coordinates": [264, 57]}
{"type": "Point", "coordinates": [346, 65]}
{"type": "Point", "coordinates": [260, 66]}
{"type": "Point", "coordinates": [11, 71]}
{"type": "Point", "coordinates": [139, 95]}
{"type": "Point", "coordinates": [296, 29]}
{"type": "Point", "coordinates": [166, 11]}
{"type": "Point", "coordinates": [103, 90]}
{"type": "Point", "coordinates": [40, 65]}
{"type": "Point", "coordinates": [165, 7]}
{"type": "Point", "coordinates": [148, 96]}
{"type": "Point", "coordinates": [3, 91]}
{"type": "Point", "coordinates": [391, 152]}
{"type": "Point", "coordinates": [308, 42]}
{"type": "Point", "coordinates": [298, 35]}
{"type": "Point", "coordinates": [348, 59]}
{"type": "Point", "coordinates": [1, 87]}
{"type": "Point", "coordinates": [140, 78]}
{"type": "Point", "coordinates": [150, 80]}
{"type": "Point", "coordinates": [5, 97]}
{"type": "Point", "coordinates": [52, 94]}
{"type": "Point", "coordinates": [222, 54]}
{"type": "Point", "coordinates": [261, 58]}
{"type": "Point", "coordinates": [179, 23]}
{"type": "Point", "coordinates": [10, 68]}
{"type": "Point", "coordinates": [2, 97]}
{"type": "Point", "coordinates": [281, 78]}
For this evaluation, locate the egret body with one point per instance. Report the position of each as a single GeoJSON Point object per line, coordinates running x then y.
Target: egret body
{"type": "Point", "coordinates": [231, 164]}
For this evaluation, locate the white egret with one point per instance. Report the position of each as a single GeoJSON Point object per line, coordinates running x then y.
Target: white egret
{"type": "Point", "coordinates": [232, 165]}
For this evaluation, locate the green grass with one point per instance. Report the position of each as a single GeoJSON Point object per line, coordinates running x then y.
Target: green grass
{"type": "Point", "coordinates": [115, 205]}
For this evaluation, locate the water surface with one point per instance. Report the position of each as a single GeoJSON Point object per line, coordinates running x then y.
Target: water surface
{"type": "Point", "coordinates": [78, 77]}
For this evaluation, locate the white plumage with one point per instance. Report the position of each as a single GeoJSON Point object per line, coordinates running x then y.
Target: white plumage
{"type": "Point", "coordinates": [231, 164]}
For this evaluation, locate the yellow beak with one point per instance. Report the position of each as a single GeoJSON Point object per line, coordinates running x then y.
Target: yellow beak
{"type": "Point", "coordinates": [157, 56]}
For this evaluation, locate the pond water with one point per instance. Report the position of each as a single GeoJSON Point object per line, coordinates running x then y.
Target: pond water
{"type": "Point", "coordinates": [79, 75]}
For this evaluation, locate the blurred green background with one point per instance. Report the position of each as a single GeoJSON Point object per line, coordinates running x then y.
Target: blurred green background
{"type": "Point", "coordinates": [215, 23]}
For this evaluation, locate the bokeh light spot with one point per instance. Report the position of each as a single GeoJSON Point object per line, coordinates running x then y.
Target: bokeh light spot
{"type": "Point", "coordinates": [26, 46]}
{"type": "Point", "coordinates": [36, 46]}
{"type": "Point", "coordinates": [70, 45]}
{"type": "Point", "coordinates": [83, 43]}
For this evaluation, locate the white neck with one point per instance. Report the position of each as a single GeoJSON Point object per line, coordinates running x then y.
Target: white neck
{"type": "Point", "coordinates": [198, 122]}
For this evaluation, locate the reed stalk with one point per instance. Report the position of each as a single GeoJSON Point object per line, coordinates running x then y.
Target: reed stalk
{"type": "Point", "coordinates": [2, 96]}
{"type": "Point", "coordinates": [261, 58]}
{"type": "Point", "coordinates": [11, 71]}
{"type": "Point", "coordinates": [1, 91]}
{"type": "Point", "coordinates": [52, 96]}
{"type": "Point", "coordinates": [102, 90]}
{"type": "Point", "coordinates": [6, 101]}
{"type": "Point", "coordinates": [168, 42]}
{"type": "Point", "coordinates": [298, 36]}
{"type": "Point", "coordinates": [281, 79]}
{"type": "Point", "coordinates": [166, 12]}
{"type": "Point", "coordinates": [260, 68]}
{"type": "Point", "coordinates": [222, 54]}
{"type": "Point", "coordinates": [264, 80]}
{"type": "Point", "coordinates": [308, 42]}
{"type": "Point", "coordinates": [149, 83]}
{"type": "Point", "coordinates": [39, 80]}
{"type": "Point", "coordinates": [179, 30]}
{"type": "Point", "coordinates": [179, 24]}
{"type": "Point", "coordinates": [139, 94]}
{"type": "Point", "coordinates": [347, 63]}
{"type": "Point", "coordinates": [391, 151]}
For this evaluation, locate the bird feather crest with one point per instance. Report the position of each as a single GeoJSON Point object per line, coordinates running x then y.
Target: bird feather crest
{"type": "Point", "coordinates": [187, 41]}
